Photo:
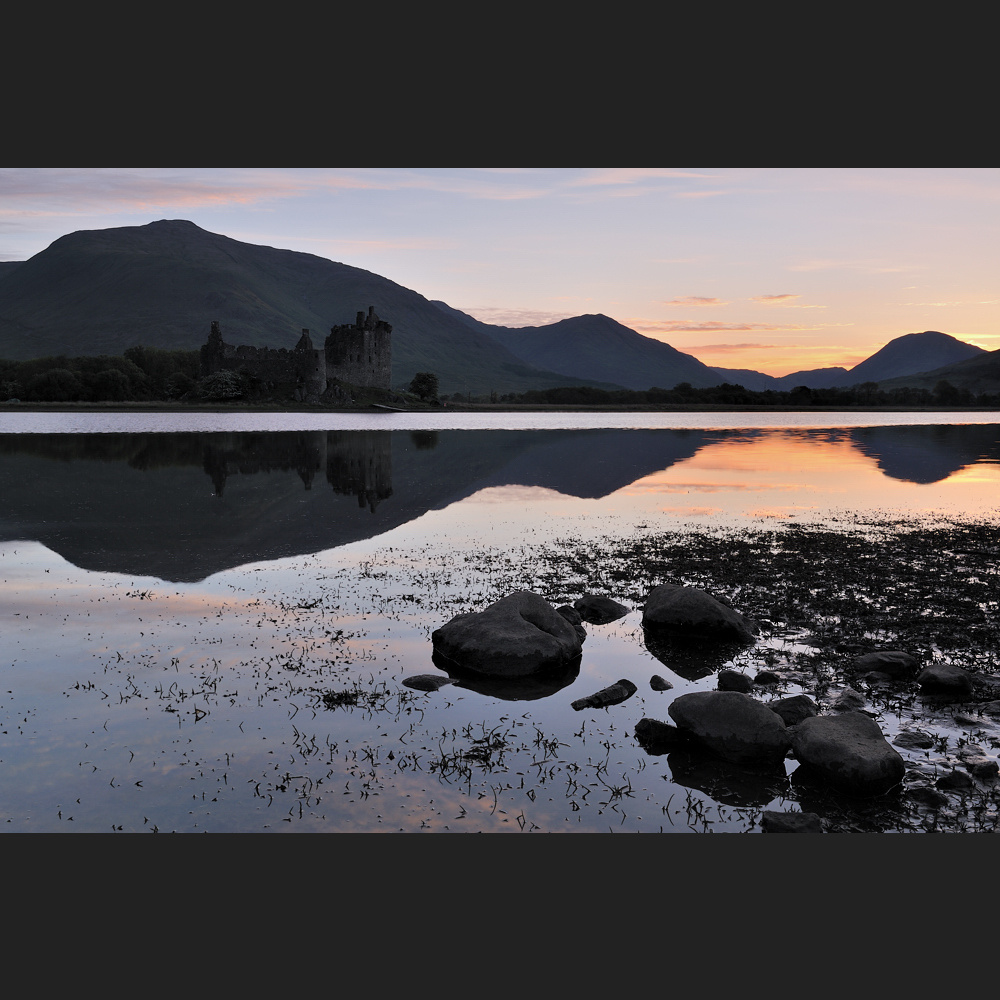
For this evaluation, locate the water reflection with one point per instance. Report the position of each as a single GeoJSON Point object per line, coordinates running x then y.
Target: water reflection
{"type": "Point", "coordinates": [182, 506]}
{"type": "Point", "coordinates": [528, 688]}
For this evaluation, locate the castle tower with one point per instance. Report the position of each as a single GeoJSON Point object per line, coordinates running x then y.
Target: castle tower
{"type": "Point", "coordinates": [361, 354]}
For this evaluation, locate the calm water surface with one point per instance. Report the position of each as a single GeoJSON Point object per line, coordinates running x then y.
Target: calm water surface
{"type": "Point", "coordinates": [178, 594]}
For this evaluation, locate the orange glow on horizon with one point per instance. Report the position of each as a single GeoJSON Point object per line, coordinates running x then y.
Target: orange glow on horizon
{"type": "Point", "coordinates": [774, 359]}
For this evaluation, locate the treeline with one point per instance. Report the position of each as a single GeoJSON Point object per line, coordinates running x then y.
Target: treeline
{"type": "Point", "coordinates": [141, 374]}
{"type": "Point", "coordinates": [865, 394]}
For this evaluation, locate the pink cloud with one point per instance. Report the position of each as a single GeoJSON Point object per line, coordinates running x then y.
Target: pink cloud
{"type": "Point", "coordinates": [696, 300]}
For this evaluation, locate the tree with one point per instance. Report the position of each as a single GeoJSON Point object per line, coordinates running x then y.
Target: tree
{"type": "Point", "coordinates": [424, 385]}
{"type": "Point", "coordinates": [223, 384]}
{"type": "Point", "coordinates": [57, 385]}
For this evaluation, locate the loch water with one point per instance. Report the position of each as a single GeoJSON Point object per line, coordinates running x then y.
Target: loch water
{"type": "Point", "coordinates": [206, 620]}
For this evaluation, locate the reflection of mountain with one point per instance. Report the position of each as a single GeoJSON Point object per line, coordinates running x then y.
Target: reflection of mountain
{"type": "Point", "coordinates": [184, 506]}
{"type": "Point", "coordinates": [928, 454]}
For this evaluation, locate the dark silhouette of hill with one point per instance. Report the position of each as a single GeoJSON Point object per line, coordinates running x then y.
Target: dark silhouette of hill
{"type": "Point", "coordinates": [98, 292]}
{"type": "Point", "coordinates": [596, 347]}
{"type": "Point", "coordinates": [102, 291]}
{"type": "Point", "coordinates": [817, 378]}
{"type": "Point", "coordinates": [980, 373]}
{"type": "Point", "coordinates": [906, 355]}
{"type": "Point", "coordinates": [910, 354]}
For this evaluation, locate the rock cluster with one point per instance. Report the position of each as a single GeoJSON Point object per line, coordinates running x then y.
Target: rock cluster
{"type": "Point", "coordinates": [523, 635]}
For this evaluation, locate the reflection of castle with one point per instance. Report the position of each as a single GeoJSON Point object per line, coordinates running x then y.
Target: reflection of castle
{"type": "Point", "coordinates": [356, 463]}
{"type": "Point", "coordinates": [359, 354]}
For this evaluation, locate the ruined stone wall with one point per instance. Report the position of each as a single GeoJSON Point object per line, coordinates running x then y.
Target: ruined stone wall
{"type": "Point", "coordinates": [360, 354]}
{"type": "Point", "coordinates": [300, 372]}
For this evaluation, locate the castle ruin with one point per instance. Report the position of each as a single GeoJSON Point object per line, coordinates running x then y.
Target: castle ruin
{"type": "Point", "coordinates": [358, 353]}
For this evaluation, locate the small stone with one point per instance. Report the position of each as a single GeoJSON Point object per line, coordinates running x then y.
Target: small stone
{"type": "Point", "coordinates": [893, 662]}
{"type": "Point", "coordinates": [957, 780]}
{"type": "Point", "coordinates": [599, 610]}
{"type": "Point", "coordinates": [794, 709]}
{"type": "Point", "coordinates": [848, 700]}
{"type": "Point", "coordinates": [612, 695]}
{"type": "Point", "coordinates": [658, 683]}
{"type": "Point", "coordinates": [767, 677]}
{"type": "Point", "coordinates": [733, 680]}
{"type": "Point", "coordinates": [914, 739]}
{"type": "Point", "coordinates": [945, 678]}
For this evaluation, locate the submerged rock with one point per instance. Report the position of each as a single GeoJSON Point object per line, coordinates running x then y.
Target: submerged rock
{"type": "Point", "coordinates": [426, 682]}
{"type": "Point", "coordinates": [790, 822]}
{"type": "Point", "coordinates": [518, 635]}
{"type": "Point", "coordinates": [691, 611]}
{"type": "Point", "coordinates": [849, 751]}
{"type": "Point", "coordinates": [599, 610]}
{"type": "Point", "coordinates": [611, 695]}
{"type": "Point", "coordinates": [731, 724]}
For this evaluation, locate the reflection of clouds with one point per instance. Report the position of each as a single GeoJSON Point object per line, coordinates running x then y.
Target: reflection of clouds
{"type": "Point", "coordinates": [644, 487]}
{"type": "Point", "coordinates": [781, 512]}
{"type": "Point", "coordinates": [513, 494]}
{"type": "Point", "coordinates": [693, 511]}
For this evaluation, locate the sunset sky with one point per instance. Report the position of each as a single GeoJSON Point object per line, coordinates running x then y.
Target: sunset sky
{"type": "Point", "coordinates": [777, 270]}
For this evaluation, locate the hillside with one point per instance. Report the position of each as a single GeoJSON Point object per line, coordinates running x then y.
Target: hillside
{"type": "Point", "coordinates": [101, 291]}
{"type": "Point", "coordinates": [911, 354]}
{"type": "Point", "coordinates": [596, 347]}
{"type": "Point", "coordinates": [977, 374]}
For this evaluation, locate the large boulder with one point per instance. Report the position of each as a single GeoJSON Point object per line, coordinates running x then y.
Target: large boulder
{"type": "Point", "coordinates": [691, 611]}
{"type": "Point", "coordinates": [731, 724]}
{"type": "Point", "coordinates": [849, 751]}
{"type": "Point", "coordinates": [519, 635]}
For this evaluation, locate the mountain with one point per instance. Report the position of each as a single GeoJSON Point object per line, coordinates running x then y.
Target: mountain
{"type": "Point", "coordinates": [906, 355]}
{"type": "Point", "coordinates": [818, 378]}
{"type": "Point", "coordinates": [980, 373]}
{"type": "Point", "coordinates": [910, 354]}
{"type": "Point", "coordinates": [101, 291]}
{"type": "Point", "coordinates": [596, 347]}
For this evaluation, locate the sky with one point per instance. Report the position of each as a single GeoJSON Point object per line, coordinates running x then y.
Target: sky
{"type": "Point", "coordinates": [771, 269]}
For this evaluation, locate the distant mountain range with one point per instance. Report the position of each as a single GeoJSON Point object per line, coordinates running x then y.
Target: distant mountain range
{"type": "Point", "coordinates": [101, 291]}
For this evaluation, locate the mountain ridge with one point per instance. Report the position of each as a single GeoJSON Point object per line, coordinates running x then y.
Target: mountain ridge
{"type": "Point", "coordinates": [161, 284]}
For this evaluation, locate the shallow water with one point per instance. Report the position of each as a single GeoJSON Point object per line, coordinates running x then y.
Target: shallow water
{"type": "Point", "coordinates": [207, 626]}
